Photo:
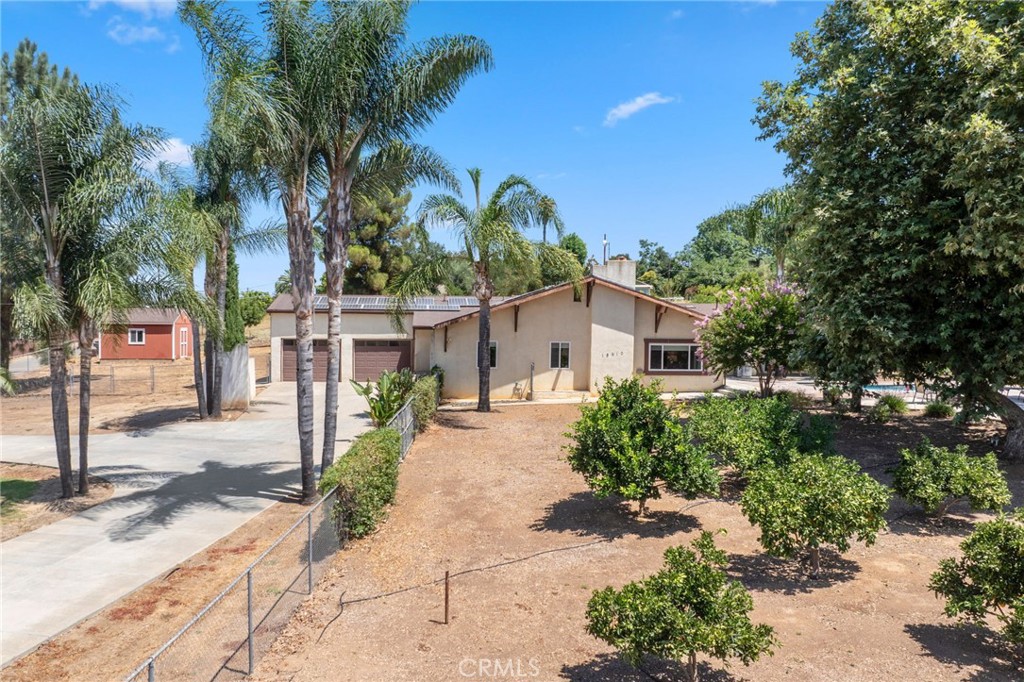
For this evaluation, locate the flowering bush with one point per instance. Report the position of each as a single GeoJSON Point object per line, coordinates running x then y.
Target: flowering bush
{"type": "Point", "coordinates": [759, 327]}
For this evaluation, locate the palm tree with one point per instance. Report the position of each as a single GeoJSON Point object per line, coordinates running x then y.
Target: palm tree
{"type": "Point", "coordinates": [380, 92]}
{"type": "Point", "coordinates": [266, 90]}
{"type": "Point", "coordinates": [69, 166]}
{"type": "Point", "coordinates": [491, 231]}
{"type": "Point", "coordinates": [771, 219]}
{"type": "Point", "coordinates": [548, 214]}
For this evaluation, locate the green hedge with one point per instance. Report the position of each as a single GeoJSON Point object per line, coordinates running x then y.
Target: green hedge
{"type": "Point", "coordinates": [424, 400]}
{"type": "Point", "coordinates": [366, 477]}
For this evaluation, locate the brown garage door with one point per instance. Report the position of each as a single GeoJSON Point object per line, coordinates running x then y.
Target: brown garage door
{"type": "Point", "coordinates": [373, 356]}
{"type": "Point", "coordinates": [288, 359]}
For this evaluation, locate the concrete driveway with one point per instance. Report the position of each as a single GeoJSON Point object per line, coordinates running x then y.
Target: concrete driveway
{"type": "Point", "coordinates": [178, 489]}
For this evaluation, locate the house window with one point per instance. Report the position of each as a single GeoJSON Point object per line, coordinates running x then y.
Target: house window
{"type": "Point", "coordinates": [494, 354]}
{"type": "Point", "coordinates": [673, 357]}
{"type": "Point", "coordinates": [136, 337]}
{"type": "Point", "coordinates": [559, 355]}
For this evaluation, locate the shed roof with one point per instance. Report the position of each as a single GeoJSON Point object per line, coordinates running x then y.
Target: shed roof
{"type": "Point", "coordinates": [152, 315]}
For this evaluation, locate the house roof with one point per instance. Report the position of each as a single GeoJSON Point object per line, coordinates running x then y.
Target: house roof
{"type": "Point", "coordinates": [152, 315]}
{"type": "Point", "coordinates": [380, 304]}
{"type": "Point", "coordinates": [591, 279]}
{"type": "Point", "coordinates": [704, 309]}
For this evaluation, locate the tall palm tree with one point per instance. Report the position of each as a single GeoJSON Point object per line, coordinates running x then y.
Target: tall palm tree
{"type": "Point", "coordinates": [379, 93]}
{"type": "Point", "coordinates": [771, 219]}
{"type": "Point", "coordinates": [490, 231]}
{"type": "Point", "coordinates": [267, 90]}
{"type": "Point", "coordinates": [69, 165]}
{"type": "Point", "coordinates": [548, 214]}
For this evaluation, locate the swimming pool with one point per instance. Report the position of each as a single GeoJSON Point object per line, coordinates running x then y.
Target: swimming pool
{"type": "Point", "coordinates": [894, 388]}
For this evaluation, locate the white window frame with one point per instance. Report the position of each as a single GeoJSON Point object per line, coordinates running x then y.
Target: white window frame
{"type": "Point", "coordinates": [568, 361]}
{"type": "Point", "coordinates": [691, 355]}
{"type": "Point", "coordinates": [137, 330]}
{"type": "Point", "coordinates": [494, 344]}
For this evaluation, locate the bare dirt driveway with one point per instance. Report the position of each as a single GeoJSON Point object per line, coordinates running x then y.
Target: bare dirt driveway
{"type": "Point", "coordinates": [488, 498]}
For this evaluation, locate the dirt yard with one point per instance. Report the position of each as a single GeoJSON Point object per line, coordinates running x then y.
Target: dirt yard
{"type": "Point", "coordinates": [108, 645]}
{"type": "Point", "coordinates": [44, 506]}
{"type": "Point", "coordinates": [127, 395]}
{"type": "Point", "coordinates": [488, 498]}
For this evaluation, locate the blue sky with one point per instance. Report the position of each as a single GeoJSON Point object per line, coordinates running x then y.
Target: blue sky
{"type": "Point", "coordinates": [634, 116]}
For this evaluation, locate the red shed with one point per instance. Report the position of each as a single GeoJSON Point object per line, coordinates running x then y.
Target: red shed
{"type": "Point", "coordinates": [150, 334]}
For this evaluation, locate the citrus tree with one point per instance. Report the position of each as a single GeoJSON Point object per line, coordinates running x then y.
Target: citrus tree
{"type": "Point", "coordinates": [987, 582]}
{"type": "Point", "coordinates": [758, 327]}
{"type": "Point", "coordinates": [690, 607]}
{"type": "Point", "coordinates": [630, 440]}
{"type": "Point", "coordinates": [253, 306]}
{"type": "Point", "coordinates": [935, 478]}
{"type": "Point", "coordinates": [813, 501]}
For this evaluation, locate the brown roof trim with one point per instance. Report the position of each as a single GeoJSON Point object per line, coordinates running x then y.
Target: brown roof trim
{"type": "Point", "coordinates": [554, 288]}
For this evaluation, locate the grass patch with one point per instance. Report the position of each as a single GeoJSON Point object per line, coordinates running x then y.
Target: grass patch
{"type": "Point", "coordinates": [13, 491]}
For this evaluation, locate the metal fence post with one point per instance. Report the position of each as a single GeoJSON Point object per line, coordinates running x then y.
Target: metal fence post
{"type": "Point", "coordinates": [252, 648]}
{"type": "Point", "coordinates": [151, 672]}
{"type": "Point", "coordinates": [152, 379]}
{"type": "Point", "coordinates": [309, 551]}
{"type": "Point", "coordinates": [111, 379]}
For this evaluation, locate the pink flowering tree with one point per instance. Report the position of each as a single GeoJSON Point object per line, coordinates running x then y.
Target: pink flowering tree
{"type": "Point", "coordinates": [759, 327]}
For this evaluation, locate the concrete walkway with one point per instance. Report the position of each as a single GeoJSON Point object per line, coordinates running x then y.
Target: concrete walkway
{"type": "Point", "coordinates": [178, 489]}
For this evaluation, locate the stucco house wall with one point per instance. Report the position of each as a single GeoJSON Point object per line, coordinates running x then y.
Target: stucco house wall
{"type": "Point", "coordinates": [611, 352]}
{"type": "Point", "coordinates": [674, 326]}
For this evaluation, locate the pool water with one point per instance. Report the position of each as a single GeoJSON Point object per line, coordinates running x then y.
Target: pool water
{"type": "Point", "coordinates": [897, 388]}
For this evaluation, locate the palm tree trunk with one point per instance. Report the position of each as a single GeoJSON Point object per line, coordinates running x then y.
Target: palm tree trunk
{"type": "Point", "coordinates": [780, 268]}
{"type": "Point", "coordinates": [86, 335]}
{"type": "Point", "coordinates": [221, 288]}
{"type": "Point", "coordinates": [59, 407]}
{"type": "Point", "coordinates": [339, 216]}
{"type": "Point", "coordinates": [302, 262]}
{"type": "Point", "coordinates": [483, 403]}
{"type": "Point", "coordinates": [197, 370]}
{"type": "Point", "coordinates": [6, 323]}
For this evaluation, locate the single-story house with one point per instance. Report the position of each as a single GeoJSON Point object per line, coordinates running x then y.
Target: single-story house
{"type": "Point", "coordinates": [566, 338]}
{"type": "Point", "coordinates": [148, 334]}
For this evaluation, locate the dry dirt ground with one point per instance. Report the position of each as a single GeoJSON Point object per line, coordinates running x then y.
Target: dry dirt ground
{"type": "Point", "coordinates": [137, 398]}
{"type": "Point", "coordinates": [111, 643]}
{"type": "Point", "coordinates": [489, 498]}
{"type": "Point", "coordinates": [45, 506]}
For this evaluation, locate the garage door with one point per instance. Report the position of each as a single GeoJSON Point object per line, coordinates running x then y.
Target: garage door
{"type": "Point", "coordinates": [373, 356]}
{"type": "Point", "coordinates": [288, 359]}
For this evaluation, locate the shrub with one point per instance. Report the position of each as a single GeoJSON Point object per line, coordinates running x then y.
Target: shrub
{"type": "Point", "coordinates": [438, 373]}
{"type": "Point", "coordinates": [813, 501]}
{"type": "Point", "coordinates": [688, 607]}
{"type": "Point", "coordinates": [896, 404]}
{"type": "Point", "coordinates": [987, 582]}
{"type": "Point", "coordinates": [366, 478]}
{"type": "Point", "coordinates": [880, 413]}
{"type": "Point", "coordinates": [817, 434]}
{"type": "Point", "coordinates": [253, 306]}
{"type": "Point", "coordinates": [387, 396]}
{"type": "Point", "coordinates": [744, 431]}
{"type": "Point", "coordinates": [939, 410]}
{"type": "Point", "coordinates": [795, 400]}
{"type": "Point", "coordinates": [629, 440]}
{"type": "Point", "coordinates": [832, 395]}
{"type": "Point", "coordinates": [424, 401]}
{"type": "Point", "coordinates": [935, 478]}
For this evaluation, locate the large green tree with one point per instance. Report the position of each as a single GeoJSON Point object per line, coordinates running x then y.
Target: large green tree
{"type": "Point", "coordinates": [72, 189]}
{"type": "Point", "coordinates": [904, 128]}
{"type": "Point", "coordinates": [380, 236]}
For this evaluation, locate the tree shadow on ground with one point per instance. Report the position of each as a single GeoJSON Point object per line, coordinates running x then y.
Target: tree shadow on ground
{"type": "Point", "coordinates": [454, 420]}
{"type": "Point", "coordinates": [765, 573]}
{"type": "Point", "coordinates": [613, 668]}
{"type": "Point", "coordinates": [967, 646]}
{"type": "Point", "coordinates": [216, 486]}
{"type": "Point", "coordinates": [585, 515]}
{"type": "Point", "coordinates": [151, 419]}
{"type": "Point", "coordinates": [914, 521]}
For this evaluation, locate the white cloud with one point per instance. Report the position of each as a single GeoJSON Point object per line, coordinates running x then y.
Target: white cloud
{"type": "Point", "coordinates": [551, 176]}
{"type": "Point", "coordinates": [627, 109]}
{"type": "Point", "coordinates": [124, 33]}
{"type": "Point", "coordinates": [579, 130]}
{"type": "Point", "coordinates": [147, 8]}
{"type": "Point", "coordinates": [174, 151]}
{"type": "Point", "coordinates": [676, 14]}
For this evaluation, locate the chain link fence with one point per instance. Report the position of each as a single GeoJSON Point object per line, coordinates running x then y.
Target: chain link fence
{"type": "Point", "coordinates": [226, 638]}
{"type": "Point", "coordinates": [111, 380]}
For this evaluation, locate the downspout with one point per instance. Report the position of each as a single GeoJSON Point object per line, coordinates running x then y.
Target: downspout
{"type": "Point", "coordinates": [532, 366]}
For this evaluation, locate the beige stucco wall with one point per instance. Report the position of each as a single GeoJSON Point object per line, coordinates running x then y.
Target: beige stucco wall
{"type": "Point", "coordinates": [611, 351]}
{"type": "Point", "coordinates": [555, 317]}
{"type": "Point", "coordinates": [674, 326]}
{"type": "Point", "coordinates": [421, 350]}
